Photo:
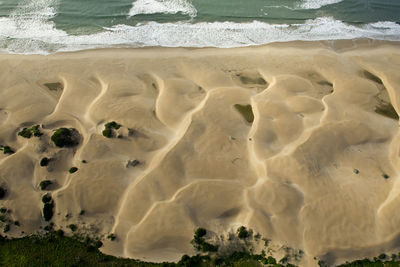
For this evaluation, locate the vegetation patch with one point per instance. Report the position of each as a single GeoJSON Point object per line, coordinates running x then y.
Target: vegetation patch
{"type": "Point", "coordinates": [46, 198]}
{"type": "Point", "coordinates": [112, 237]}
{"type": "Point", "coordinates": [246, 111]}
{"type": "Point", "coordinates": [64, 137]}
{"type": "Point", "coordinates": [48, 210]}
{"type": "Point", "coordinates": [200, 243]}
{"type": "Point", "coordinates": [242, 232]}
{"type": "Point", "coordinates": [109, 129]}
{"type": "Point", "coordinates": [28, 132]}
{"type": "Point", "coordinates": [45, 184]}
{"type": "Point", "coordinates": [44, 162]}
{"type": "Point", "coordinates": [73, 169]}
{"type": "Point", "coordinates": [7, 150]}
{"type": "Point", "coordinates": [56, 249]}
{"type": "Point", "coordinates": [73, 227]}
{"type": "Point", "coordinates": [3, 192]}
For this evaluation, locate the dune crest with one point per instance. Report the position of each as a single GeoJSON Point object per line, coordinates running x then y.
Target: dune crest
{"type": "Point", "coordinates": [300, 143]}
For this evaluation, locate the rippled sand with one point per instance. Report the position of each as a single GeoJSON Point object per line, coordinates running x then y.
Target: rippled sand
{"type": "Point", "coordinates": [291, 140]}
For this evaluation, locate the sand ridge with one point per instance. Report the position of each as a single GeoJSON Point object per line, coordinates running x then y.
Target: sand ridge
{"type": "Point", "coordinates": [302, 161]}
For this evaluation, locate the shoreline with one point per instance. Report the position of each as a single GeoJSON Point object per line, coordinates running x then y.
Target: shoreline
{"type": "Point", "coordinates": [337, 45]}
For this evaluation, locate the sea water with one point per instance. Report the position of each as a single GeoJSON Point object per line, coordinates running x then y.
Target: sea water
{"type": "Point", "coordinates": [47, 26]}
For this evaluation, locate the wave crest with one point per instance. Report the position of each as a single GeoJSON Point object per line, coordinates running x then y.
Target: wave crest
{"type": "Point", "coordinates": [162, 6]}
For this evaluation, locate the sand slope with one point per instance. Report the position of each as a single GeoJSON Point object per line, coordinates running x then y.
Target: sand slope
{"type": "Point", "coordinates": [307, 172]}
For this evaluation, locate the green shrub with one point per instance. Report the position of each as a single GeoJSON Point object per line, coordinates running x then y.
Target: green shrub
{"type": "Point", "coordinates": [84, 161]}
{"type": "Point", "coordinates": [200, 232]}
{"type": "Point", "coordinates": [46, 198]}
{"type": "Point", "coordinates": [113, 124]}
{"type": "Point", "coordinates": [112, 237]}
{"type": "Point", "coordinates": [82, 212]}
{"type": "Point", "coordinates": [109, 129]}
{"type": "Point", "coordinates": [60, 233]}
{"type": "Point", "coordinates": [356, 171]}
{"type": "Point", "coordinates": [64, 137]}
{"type": "Point", "coordinates": [108, 133]}
{"type": "Point", "coordinates": [16, 223]}
{"type": "Point", "coordinates": [28, 132]}
{"type": "Point", "coordinates": [7, 150]}
{"type": "Point", "coordinates": [73, 169]}
{"type": "Point", "coordinates": [242, 232]}
{"type": "Point", "coordinates": [98, 244]}
{"type": "Point", "coordinates": [44, 162]}
{"type": "Point", "coordinates": [73, 227]}
{"type": "Point", "coordinates": [3, 210]}
{"type": "Point", "coordinates": [25, 133]}
{"type": "Point", "coordinates": [385, 176]}
{"type": "Point", "coordinates": [44, 184]}
{"type": "Point", "coordinates": [6, 228]}
{"type": "Point", "coordinates": [48, 211]}
{"type": "Point", "coordinates": [3, 192]}
{"type": "Point", "coordinates": [271, 260]}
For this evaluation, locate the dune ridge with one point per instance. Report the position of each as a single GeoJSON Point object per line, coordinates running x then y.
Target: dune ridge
{"type": "Point", "coordinates": [296, 141]}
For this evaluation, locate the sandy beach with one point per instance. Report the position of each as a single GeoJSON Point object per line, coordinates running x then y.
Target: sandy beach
{"type": "Point", "coordinates": [298, 141]}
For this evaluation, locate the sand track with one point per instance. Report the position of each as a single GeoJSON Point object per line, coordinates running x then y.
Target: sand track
{"type": "Point", "coordinates": [304, 166]}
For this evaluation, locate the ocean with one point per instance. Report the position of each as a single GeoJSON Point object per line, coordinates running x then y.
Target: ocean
{"type": "Point", "coordinates": [48, 26]}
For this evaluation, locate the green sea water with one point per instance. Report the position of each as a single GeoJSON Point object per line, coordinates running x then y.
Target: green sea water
{"type": "Point", "coordinates": [45, 26]}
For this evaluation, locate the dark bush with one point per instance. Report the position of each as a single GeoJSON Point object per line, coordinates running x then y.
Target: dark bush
{"type": "Point", "coordinates": [44, 162]}
{"type": "Point", "coordinates": [3, 192]}
{"type": "Point", "coordinates": [73, 169]}
{"type": "Point", "coordinates": [3, 210]}
{"type": "Point", "coordinates": [200, 232]}
{"type": "Point", "coordinates": [385, 176]}
{"type": "Point", "coordinates": [113, 124]}
{"type": "Point", "coordinates": [108, 133]}
{"type": "Point", "coordinates": [48, 211]}
{"type": "Point", "coordinates": [44, 184]}
{"type": "Point", "coordinates": [25, 133]}
{"type": "Point", "coordinates": [46, 198]}
{"type": "Point", "coordinates": [60, 233]}
{"type": "Point", "coordinates": [82, 212]}
{"type": "Point", "coordinates": [109, 129]}
{"type": "Point", "coordinates": [6, 228]}
{"type": "Point", "coordinates": [84, 161]}
{"type": "Point", "coordinates": [72, 227]}
{"type": "Point", "coordinates": [242, 232]}
{"type": "Point", "coordinates": [16, 223]}
{"type": "Point", "coordinates": [207, 247]}
{"type": "Point", "coordinates": [64, 137]}
{"type": "Point", "coordinates": [7, 150]}
{"type": "Point", "coordinates": [98, 244]}
{"type": "Point", "coordinates": [28, 132]}
{"type": "Point", "coordinates": [112, 237]}
{"type": "Point", "coordinates": [271, 260]}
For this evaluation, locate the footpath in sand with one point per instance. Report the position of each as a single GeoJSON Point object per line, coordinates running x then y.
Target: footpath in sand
{"type": "Point", "coordinates": [299, 142]}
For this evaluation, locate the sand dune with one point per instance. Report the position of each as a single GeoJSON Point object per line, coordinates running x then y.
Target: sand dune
{"type": "Point", "coordinates": [298, 141]}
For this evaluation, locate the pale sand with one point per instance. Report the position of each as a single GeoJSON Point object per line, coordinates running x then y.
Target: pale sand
{"type": "Point", "coordinates": [288, 175]}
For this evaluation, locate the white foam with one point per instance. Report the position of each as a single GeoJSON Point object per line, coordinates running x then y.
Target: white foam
{"type": "Point", "coordinates": [316, 4]}
{"type": "Point", "coordinates": [162, 6]}
{"type": "Point", "coordinates": [47, 39]}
